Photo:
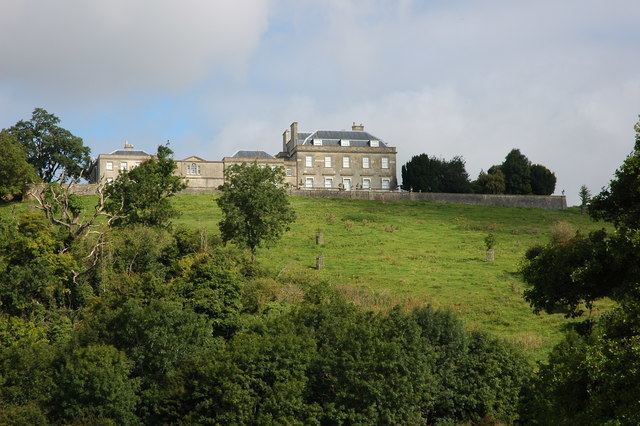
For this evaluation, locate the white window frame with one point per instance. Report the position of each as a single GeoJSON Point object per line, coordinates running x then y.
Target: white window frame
{"type": "Point", "coordinates": [366, 162]}
{"type": "Point", "coordinates": [345, 142]}
{"type": "Point", "coordinates": [289, 172]}
{"type": "Point", "coordinates": [308, 161]}
{"type": "Point", "coordinates": [366, 185]}
{"type": "Point", "coordinates": [374, 143]}
{"type": "Point", "coordinates": [124, 166]}
{"type": "Point", "coordinates": [109, 165]}
{"type": "Point", "coordinates": [344, 185]}
{"type": "Point", "coordinates": [384, 163]}
{"type": "Point", "coordinates": [386, 184]}
{"type": "Point", "coordinates": [329, 181]}
{"type": "Point", "coordinates": [346, 162]}
{"type": "Point", "coordinates": [317, 142]}
{"type": "Point", "coordinates": [327, 161]}
{"type": "Point", "coordinates": [308, 180]}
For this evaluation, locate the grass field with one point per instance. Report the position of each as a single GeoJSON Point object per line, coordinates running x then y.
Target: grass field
{"type": "Point", "coordinates": [381, 254]}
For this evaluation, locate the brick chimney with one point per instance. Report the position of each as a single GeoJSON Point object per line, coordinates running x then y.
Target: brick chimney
{"type": "Point", "coordinates": [357, 127]}
{"type": "Point", "coordinates": [294, 132]}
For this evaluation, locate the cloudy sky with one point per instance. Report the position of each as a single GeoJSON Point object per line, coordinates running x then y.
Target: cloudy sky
{"type": "Point", "coordinates": [558, 79]}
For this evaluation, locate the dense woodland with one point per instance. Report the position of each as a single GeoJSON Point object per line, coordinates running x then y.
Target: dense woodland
{"type": "Point", "coordinates": [115, 316]}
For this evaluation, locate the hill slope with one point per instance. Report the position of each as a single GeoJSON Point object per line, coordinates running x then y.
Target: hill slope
{"type": "Point", "coordinates": [382, 254]}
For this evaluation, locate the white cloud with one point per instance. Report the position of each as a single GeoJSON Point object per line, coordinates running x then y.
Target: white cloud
{"type": "Point", "coordinates": [556, 79]}
{"type": "Point", "coordinates": [100, 48]}
{"type": "Point", "coordinates": [559, 80]}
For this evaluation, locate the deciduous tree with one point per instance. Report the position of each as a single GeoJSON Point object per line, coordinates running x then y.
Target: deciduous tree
{"type": "Point", "coordinates": [491, 182]}
{"type": "Point", "coordinates": [592, 378]}
{"type": "Point", "coordinates": [142, 194]}
{"type": "Point", "coordinates": [16, 174]}
{"type": "Point", "coordinates": [254, 204]}
{"type": "Point", "coordinates": [52, 150]}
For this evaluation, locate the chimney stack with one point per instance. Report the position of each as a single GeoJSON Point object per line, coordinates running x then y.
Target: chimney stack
{"type": "Point", "coordinates": [286, 137]}
{"type": "Point", "coordinates": [357, 127]}
{"type": "Point", "coordinates": [127, 145]}
{"type": "Point", "coordinates": [294, 132]}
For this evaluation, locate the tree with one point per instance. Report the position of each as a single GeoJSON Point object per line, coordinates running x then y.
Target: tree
{"type": "Point", "coordinates": [141, 195]}
{"type": "Point", "coordinates": [592, 378]}
{"type": "Point", "coordinates": [94, 385]}
{"type": "Point", "coordinates": [16, 174]}
{"type": "Point", "coordinates": [254, 204]}
{"type": "Point", "coordinates": [585, 197]}
{"type": "Point", "coordinates": [543, 180]}
{"type": "Point", "coordinates": [517, 173]}
{"type": "Point", "coordinates": [53, 151]}
{"type": "Point", "coordinates": [491, 182]}
{"type": "Point", "coordinates": [431, 174]}
{"type": "Point", "coordinates": [620, 202]}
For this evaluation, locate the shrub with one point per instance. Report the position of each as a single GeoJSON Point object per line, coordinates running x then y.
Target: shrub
{"type": "Point", "coordinates": [562, 232]}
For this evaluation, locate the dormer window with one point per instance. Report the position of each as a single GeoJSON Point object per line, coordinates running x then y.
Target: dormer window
{"type": "Point", "coordinates": [317, 142]}
{"type": "Point", "coordinates": [374, 143]}
{"type": "Point", "coordinates": [345, 142]}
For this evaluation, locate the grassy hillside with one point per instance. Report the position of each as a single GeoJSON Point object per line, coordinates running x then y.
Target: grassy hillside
{"type": "Point", "coordinates": [381, 254]}
{"type": "Point", "coordinates": [417, 252]}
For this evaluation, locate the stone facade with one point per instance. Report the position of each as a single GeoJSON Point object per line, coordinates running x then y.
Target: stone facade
{"type": "Point", "coordinates": [107, 167]}
{"type": "Point", "coordinates": [323, 159]}
{"type": "Point", "coordinates": [344, 160]}
{"type": "Point", "coordinates": [201, 173]}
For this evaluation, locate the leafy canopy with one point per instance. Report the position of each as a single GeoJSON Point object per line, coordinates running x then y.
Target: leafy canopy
{"type": "Point", "coordinates": [543, 180]}
{"type": "Point", "coordinates": [491, 182]}
{"type": "Point", "coordinates": [620, 203]}
{"type": "Point", "coordinates": [431, 174]}
{"type": "Point", "coordinates": [517, 172]}
{"type": "Point", "coordinates": [254, 204]}
{"type": "Point", "coordinates": [592, 378]}
{"type": "Point", "coordinates": [52, 150]}
{"type": "Point", "coordinates": [15, 172]}
{"type": "Point", "coordinates": [141, 195]}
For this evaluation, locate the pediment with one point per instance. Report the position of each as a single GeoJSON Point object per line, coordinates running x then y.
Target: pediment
{"type": "Point", "coordinates": [194, 158]}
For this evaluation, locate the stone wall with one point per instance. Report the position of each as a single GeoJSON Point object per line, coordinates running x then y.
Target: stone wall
{"type": "Point", "coordinates": [551, 202]}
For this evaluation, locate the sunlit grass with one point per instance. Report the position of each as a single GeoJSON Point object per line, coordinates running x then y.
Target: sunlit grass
{"type": "Point", "coordinates": [411, 253]}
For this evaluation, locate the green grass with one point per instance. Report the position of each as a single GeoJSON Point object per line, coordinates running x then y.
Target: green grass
{"type": "Point", "coordinates": [416, 253]}
{"type": "Point", "coordinates": [381, 254]}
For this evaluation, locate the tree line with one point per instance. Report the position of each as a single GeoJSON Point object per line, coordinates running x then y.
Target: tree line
{"type": "Point", "coordinates": [516, 175]}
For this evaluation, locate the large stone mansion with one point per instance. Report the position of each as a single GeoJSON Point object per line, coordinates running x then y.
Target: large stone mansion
{"type": "Point", "coordinates": [323, 159]}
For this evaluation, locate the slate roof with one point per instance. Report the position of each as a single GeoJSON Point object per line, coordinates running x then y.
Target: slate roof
{"type": "Point", "coordinates": [129, 152]}
{"type": "Point", "coordinates": [333, 137]}
{"type": "Point", "coordinates": [251, 154]}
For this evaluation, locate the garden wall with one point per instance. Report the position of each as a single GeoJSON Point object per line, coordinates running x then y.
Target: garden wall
{"type": "Point", "coordinates": [551, 202]}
